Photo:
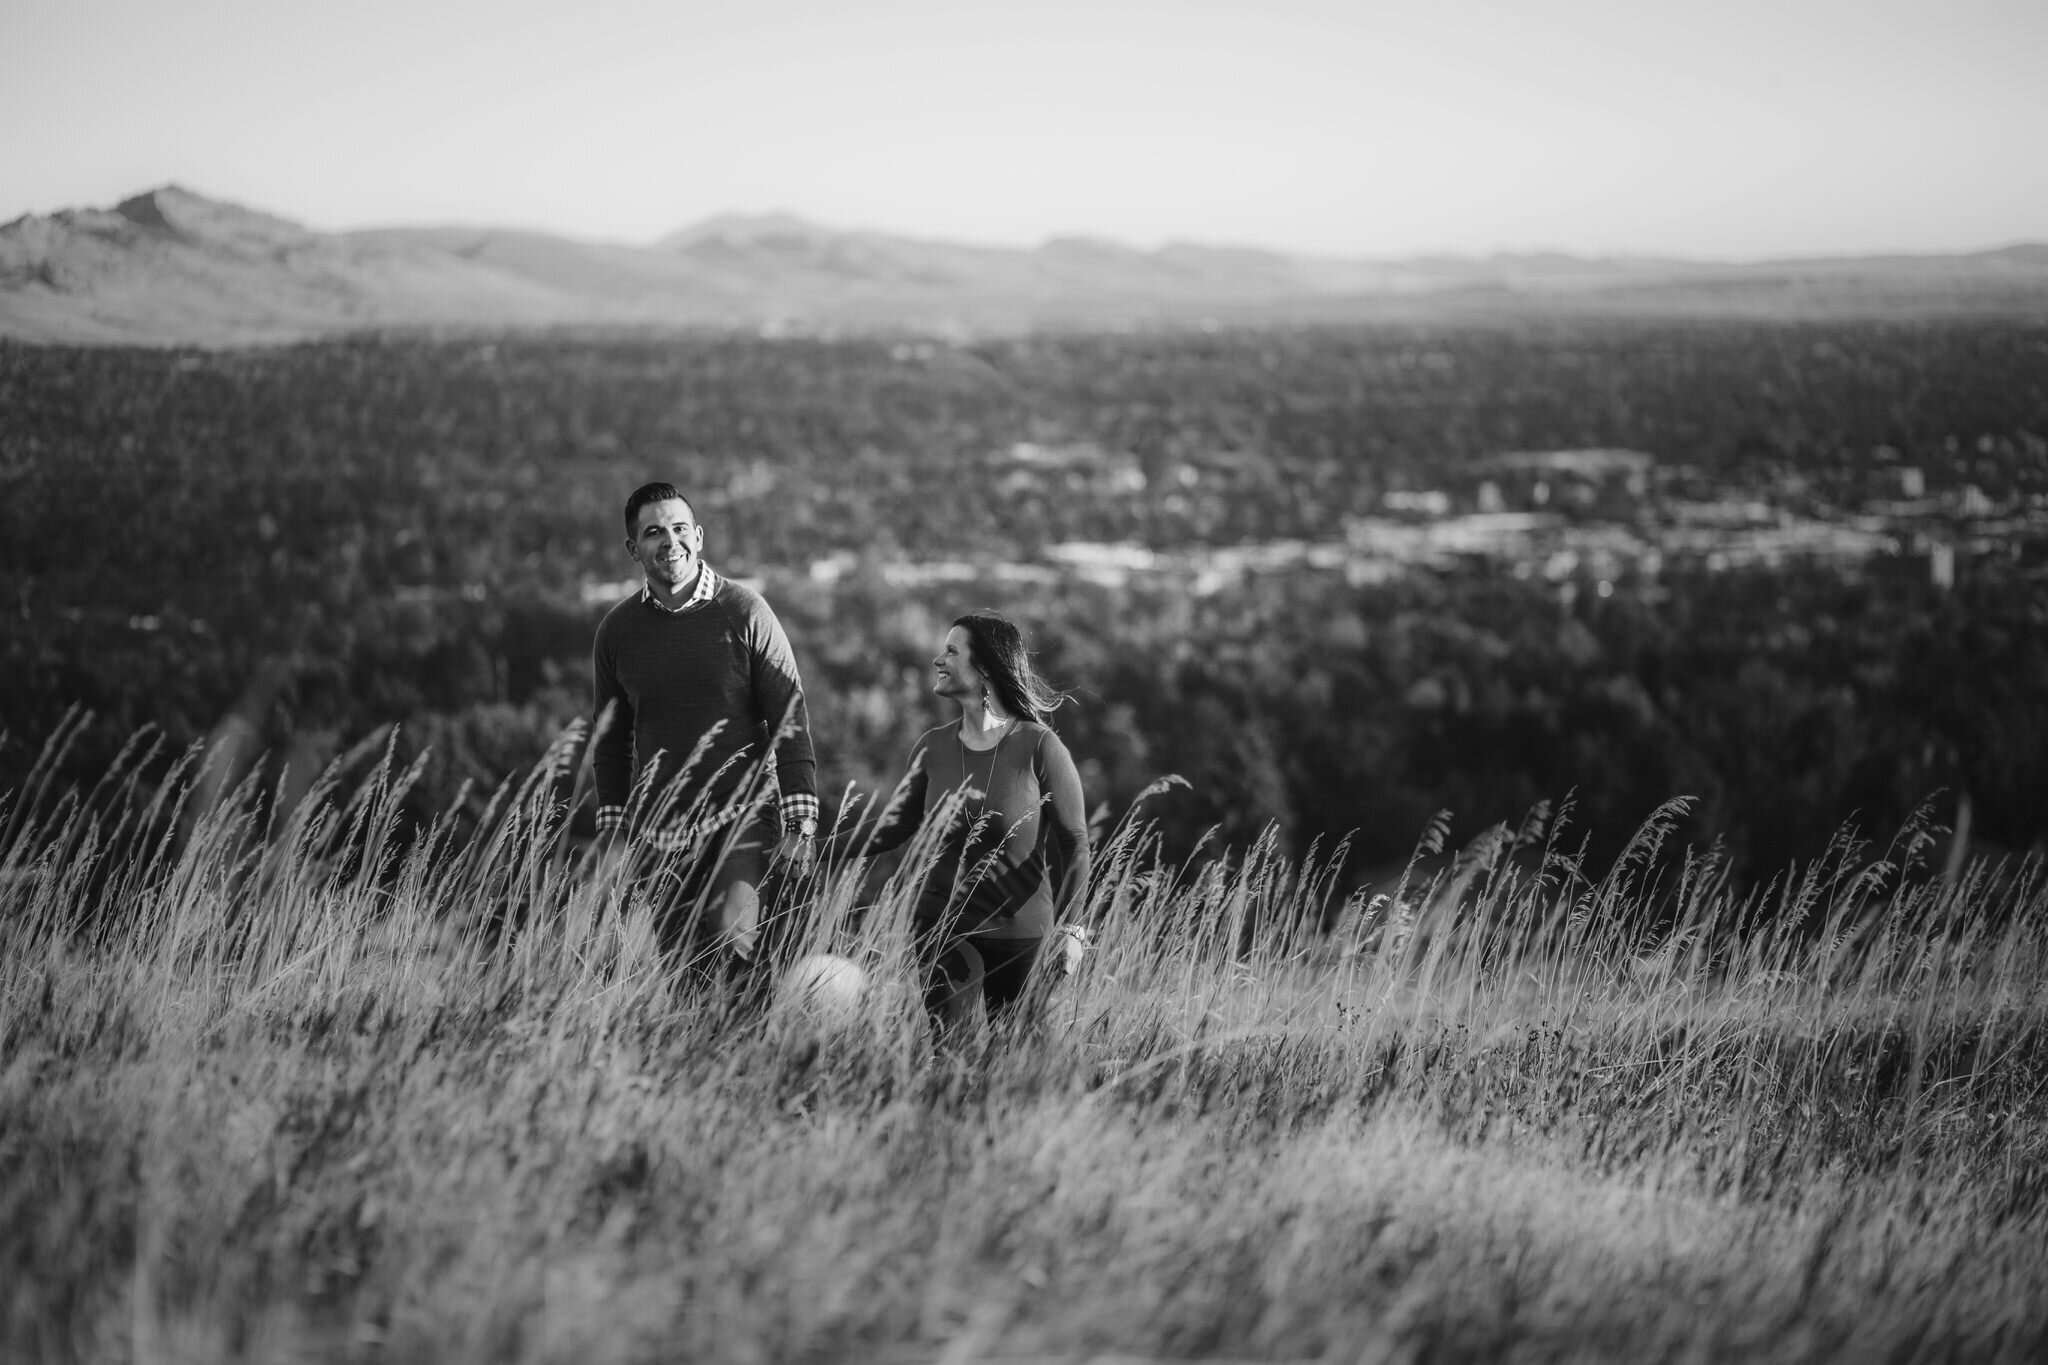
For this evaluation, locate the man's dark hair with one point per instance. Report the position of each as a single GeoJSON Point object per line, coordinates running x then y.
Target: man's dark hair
{"type": "Point", "coordinates": [997, 648]}
{"type": "Point", "coordinates": [649, 493]}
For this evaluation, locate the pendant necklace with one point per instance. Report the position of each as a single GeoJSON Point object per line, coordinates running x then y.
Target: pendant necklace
{"type": "Point", "coordinates": [990, 780]}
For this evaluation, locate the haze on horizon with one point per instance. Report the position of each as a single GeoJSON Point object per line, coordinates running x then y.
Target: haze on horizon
{"type": "Point", "coordinates": [1740, 129]}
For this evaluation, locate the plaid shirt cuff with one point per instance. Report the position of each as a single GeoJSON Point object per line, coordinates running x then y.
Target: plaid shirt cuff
{"type": "Point", "coordinates": [797, 807]}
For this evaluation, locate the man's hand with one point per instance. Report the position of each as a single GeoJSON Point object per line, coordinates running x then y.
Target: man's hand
{"type": "Point", "coordinates": [607, 858]}
{"type": "Point", "coordinates": [796, 850]}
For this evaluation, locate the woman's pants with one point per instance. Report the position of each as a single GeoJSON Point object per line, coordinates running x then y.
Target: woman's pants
{"type": "Point", "coordinates": [994, 970]}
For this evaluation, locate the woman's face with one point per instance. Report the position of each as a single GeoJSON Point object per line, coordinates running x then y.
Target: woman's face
{"type": "Point", "coordinates": [953, 672]}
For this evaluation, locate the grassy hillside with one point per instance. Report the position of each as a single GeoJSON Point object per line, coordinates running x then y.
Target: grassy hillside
{"type": "Point", "coordinates": [275, 1088]}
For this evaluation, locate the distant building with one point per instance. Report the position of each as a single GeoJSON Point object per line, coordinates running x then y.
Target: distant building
{"type": "Point", "coordinates": [1429, 502]}
{"type": "Point", "coordinates": [1580, 478]}
{"type": "Point", "coordinates": [1032, 466]}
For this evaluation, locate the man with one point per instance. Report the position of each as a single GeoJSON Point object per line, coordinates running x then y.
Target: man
{"type": "Point", "coordinates": [694, 683]}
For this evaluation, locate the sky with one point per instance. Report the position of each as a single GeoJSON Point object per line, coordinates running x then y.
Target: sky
{"type": "Point", "coordinates": [1736, 129]}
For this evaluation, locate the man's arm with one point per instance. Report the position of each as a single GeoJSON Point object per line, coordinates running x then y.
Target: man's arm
{"type": "Point", "coordinates": [779, 698]}
{"type": "Point", "coordinates": [611, 737]}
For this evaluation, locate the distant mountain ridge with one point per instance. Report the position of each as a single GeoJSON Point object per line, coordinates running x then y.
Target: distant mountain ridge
{"type": "Point", "coordinates": [169, 266]}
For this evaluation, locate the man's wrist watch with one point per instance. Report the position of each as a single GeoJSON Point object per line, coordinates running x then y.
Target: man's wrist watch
{"type": "Point", "coordinates": [806, 828]}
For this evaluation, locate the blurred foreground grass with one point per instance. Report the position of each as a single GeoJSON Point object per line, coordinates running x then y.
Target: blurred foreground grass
{"type": "Point", "coordinates": [279, 1087]}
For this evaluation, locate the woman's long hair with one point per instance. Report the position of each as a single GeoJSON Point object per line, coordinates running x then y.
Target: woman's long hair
{"type": "Point", "coordinates": [996, 647]}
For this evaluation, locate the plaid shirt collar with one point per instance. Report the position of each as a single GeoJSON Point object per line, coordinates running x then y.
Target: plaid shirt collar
{"type": "Point", "coordinates": [707, 584]}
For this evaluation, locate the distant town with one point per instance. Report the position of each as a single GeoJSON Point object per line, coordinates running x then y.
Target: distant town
{"type": "Point", "coordinates": [1594, 520]}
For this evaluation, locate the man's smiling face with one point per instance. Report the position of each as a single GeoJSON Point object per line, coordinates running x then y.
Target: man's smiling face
{"type": "Point", "coordinates": [667, 544]}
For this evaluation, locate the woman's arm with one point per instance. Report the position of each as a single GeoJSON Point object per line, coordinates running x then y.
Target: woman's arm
{"type": "Point", "coordinates": [1066, 826]}
{"type": "Point", "coordinates": [898, 820]}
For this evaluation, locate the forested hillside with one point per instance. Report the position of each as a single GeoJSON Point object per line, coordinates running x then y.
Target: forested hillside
{"type": "Point", "coordinates": [331, 538]}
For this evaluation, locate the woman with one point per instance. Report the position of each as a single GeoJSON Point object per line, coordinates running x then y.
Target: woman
{"type": "Point", "coordinates": [1013, 859]}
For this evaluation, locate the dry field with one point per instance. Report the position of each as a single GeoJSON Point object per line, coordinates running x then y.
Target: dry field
{"type": "Point", "coordinates": [280, 1089]}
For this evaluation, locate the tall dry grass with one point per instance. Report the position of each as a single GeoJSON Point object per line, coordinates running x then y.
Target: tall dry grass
{"type": "Point", "coordinates": [301, 1084]}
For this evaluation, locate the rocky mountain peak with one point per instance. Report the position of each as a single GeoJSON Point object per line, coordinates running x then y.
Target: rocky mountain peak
{"type": "Point", "coordinates": [179, 212]}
